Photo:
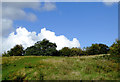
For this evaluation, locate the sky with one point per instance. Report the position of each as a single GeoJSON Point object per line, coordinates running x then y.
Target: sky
{"type": "Point", "coordinates": [71, 24]}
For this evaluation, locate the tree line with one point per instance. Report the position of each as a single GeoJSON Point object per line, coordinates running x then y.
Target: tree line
{"type": "Point", "coordinates": [46, 48]}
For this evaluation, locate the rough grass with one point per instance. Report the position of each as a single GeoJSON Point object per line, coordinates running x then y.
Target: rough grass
{"type": "Point", "coordinates": [59, 68]}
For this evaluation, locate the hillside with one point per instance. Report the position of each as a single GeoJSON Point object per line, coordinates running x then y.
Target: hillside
{"type": "Point", "coordinates": [59, 68]}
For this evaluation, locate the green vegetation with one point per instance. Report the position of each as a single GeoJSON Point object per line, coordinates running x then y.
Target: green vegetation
{"type": "Point", "coordinates": [15, 51]}
{"type": "Point", "coordinates": [59, 68]}
{"type": "Point", "coordinates": [43, 62]}
{"type": "Point", "coordinates": [115, 48]}
{"type": "Point", "coordinates": [97, 49]}
{"type": "Point", "coordinates": [44, 48]}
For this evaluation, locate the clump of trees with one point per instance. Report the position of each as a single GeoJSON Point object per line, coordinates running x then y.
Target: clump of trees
{"type": "Point", "coordinates": [97, 49]}
{"type": "Point", "coordinates": [42, 48]}
{"type": "Point", "coordinates": [76, 52]}
{"type": "Point", "coordinates": [46, 48]}
{"type": "Point", "coordinates": [70, 52]}
{"type": "Point", "coordinates": [65, 51]}
{"type": "Point", "coordinates": [15, 51]}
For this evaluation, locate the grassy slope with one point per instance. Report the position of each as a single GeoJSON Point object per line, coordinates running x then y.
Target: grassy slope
{"type": "Point", "coordinates": [59, 68]}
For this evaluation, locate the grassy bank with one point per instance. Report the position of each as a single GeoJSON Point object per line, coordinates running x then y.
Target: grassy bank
{"type": "Point", "coordinates": [59, 68]}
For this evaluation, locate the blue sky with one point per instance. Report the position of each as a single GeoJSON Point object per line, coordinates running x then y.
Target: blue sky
{"type": "Point", "coordinates": [89, 22]}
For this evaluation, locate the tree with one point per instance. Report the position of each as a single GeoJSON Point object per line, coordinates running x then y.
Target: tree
{"type": "Point", "coordinates": [103, 49]}
{"type": "Point", "coordinates": [92, 50]}
{"type": "Point", "coordinates": [17, 50]}
{"type": "Point", "coordinates": [97, 49]}
{"type": "Point", "coordinates": [5, 54]}
{"type": "Point", "coordinates": [31, 51]}
{"type": "Point", "coordinates": [76, 52]}
{"type": "Point", "coordinates": [115, 48]}
{"type": "Point", "coordinates": [65, 51]}
{"type": "Point", "coordinates": [44, 48]}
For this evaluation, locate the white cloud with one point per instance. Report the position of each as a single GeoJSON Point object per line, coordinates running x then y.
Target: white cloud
{"type": "Point", "coordinates": [21, 0]}
{"type": "Point", "coordinates": [6, 26]}
{"type": "Point", "coordinates": [26, 38]}
{"type": "Point", "coordinates": [110, 2]}
{"type": "Point", "coordinates": [61, 40]}
{"type": "Point", "coordinates": [49, 6]}
{"type": "Point", "coordinates": [15, 11]}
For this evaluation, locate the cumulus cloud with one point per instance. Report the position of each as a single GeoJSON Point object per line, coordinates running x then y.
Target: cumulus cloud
{"type": "Point", "coordinates": [26, 38]}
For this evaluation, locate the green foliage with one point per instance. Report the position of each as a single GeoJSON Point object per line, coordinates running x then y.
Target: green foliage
{"type": "Point", "coordinates": [65, 51]}
{"type": "Point", "coordinates": [103, 49]}
{"type": "Point", "coordinates": [32, 50]}
{"type": "Point", "coordinates": [70, 52]}
{"type": "Point", "coordinates": [16, 51]}
{"type": "Point", "coordinates": [115, 48]}
{"type": "Point", "coordinates": [44, 48]}
{"type": "Point", "coordinates": [94, 49]}
{"type": "Point", "coordinates": [76, 52]}
{"type": "Point", "coordinates": [5, 54]}
{"type": "Point", "coordinates": [97, 49]}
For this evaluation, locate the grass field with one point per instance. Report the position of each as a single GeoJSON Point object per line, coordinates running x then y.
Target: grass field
{"type": "Point", "coordinates": [59, 68]}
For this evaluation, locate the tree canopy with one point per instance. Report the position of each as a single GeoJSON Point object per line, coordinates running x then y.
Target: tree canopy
{"type": "Point", "coordinates": [65, 51]}
{"type": "Point", "coordinates": [44, 48]}
{"type": "Point", "coordinates": [17, 50]}
{"type": "Point", "coordinates": [97, 49]}
{"type": "Point", "coordinates": [47, 48]}
{"type": "Point", "coordinates": [115, 48]}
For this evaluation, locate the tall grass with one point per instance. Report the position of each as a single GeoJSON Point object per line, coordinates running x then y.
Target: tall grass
{"type": "Point", "coordinates": [59, 68]}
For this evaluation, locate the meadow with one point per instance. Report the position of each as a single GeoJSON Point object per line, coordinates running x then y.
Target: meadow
{"type": "Point", "coordinates": [94, 67]}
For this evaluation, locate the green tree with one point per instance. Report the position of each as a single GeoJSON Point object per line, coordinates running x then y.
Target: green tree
{"type": "Point", "coordinates": [44, 48]}
{"type": "Point", "coordinates": [31, 51]}
{"type": "Point", "coordinates": [65, 51]}
{"type": "Point", "coordinates": [97, 49]}
{"type": "Point", "coordinates": [16, 51]}
{"type": "Point", "coordinates": [103, 49]}
{"type": "Point", "coordinates": [5, 54]}
{"type": "Point", "coordinates": [92, 50]}
{"type": "Point", "coordinates": [115, 48]}
{"type": "Point", "coordinates": [76, 52]}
